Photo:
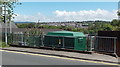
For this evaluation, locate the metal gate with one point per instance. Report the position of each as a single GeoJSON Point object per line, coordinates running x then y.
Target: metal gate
{"type": "Point", "coordinates": [105, 44]}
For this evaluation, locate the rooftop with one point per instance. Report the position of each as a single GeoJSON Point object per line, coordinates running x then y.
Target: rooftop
{"type": "Point", "coordinates": [65, 33]}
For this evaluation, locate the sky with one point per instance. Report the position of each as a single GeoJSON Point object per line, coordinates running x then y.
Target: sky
{"type": "Point", "coordinates": [65, 11]}
{"type": "Point", "coordinates": [68, 0]}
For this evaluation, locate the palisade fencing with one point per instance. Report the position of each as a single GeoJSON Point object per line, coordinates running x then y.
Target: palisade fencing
{"type": "Point", "coordinates": [78, 43]}
{"type": "Point", "coordinates": [25, 39]}
{"type": "Point", "coordinates": [105, 44]}
{"type": "Point", "coordinates": [92, 43]}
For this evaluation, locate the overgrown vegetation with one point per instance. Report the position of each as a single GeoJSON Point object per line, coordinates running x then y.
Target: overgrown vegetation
{"type": "Point", "coordinates": [10, 4]}
{"type": "Point", "coordinates": [33, 31]}
{"type": "Point", "coordinates": [3, 45]}
{"type": "Point", "coordinates": [93, 28]}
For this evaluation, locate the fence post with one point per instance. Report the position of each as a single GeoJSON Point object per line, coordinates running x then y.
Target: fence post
{"type": "Point", "coordinates": [42, 37]}
{"type": "Point", "coordinates": [91, 43]}
{"type": "Point", "coordinates": [63, 43]}
{"type": "Point", "coordinates": [115, 43]}
{"type": "Point", "coordinates": [97, 41]}
{"type": "Point", "coordinates": [34, 37]}
{"type": "Point", "coordinates": [22, 38]}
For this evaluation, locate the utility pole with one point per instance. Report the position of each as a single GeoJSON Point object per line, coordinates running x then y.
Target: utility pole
{"type": "Point", "coordinates": [38, 27]}
{"type": "Point", "coordinates": [5, 9]}
{"type": "Point", "coordinates": [38, 22]}
{"type": "Point", "coordinates": [10, 24]}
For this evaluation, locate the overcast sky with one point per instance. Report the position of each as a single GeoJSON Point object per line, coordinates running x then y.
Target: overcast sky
{"type": "Point", "coordinates": [66, 11]}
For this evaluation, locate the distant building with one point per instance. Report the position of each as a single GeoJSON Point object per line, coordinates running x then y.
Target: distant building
{"type": "Point", "coordinates": [3, 26]}
{"type": "Point", "coordinates": [70, 24]}
{"type": "Point", "coordinates": [15, 29]}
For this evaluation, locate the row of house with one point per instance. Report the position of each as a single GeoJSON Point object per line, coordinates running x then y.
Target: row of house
{"type": "Point", "coordinates": [70, 24]}
{"type": "Point", "coordinates": [13, 28]}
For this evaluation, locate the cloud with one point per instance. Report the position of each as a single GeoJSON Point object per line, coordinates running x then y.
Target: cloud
{"type": "Point", "coordinates": [98, 14]}
{"type": "Point", "coordinates": [35, 18]}
{"type": "Point", "coordinates": [84, 15]}
{"type": "Point", "coordinates": [29, 18]}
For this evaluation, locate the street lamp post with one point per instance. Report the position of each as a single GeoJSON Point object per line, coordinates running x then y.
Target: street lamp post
{"type": "Point", "coordinates": [5, 13]}
{"type": "Point", "coordinates": [10, 24]}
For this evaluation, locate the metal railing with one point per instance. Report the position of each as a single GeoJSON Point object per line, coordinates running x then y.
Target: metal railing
{"type": "Point", "coordinates": [92, 43]}
{"type": "Point", "coordinates": [54, 41]}
{"type": "Point", "coordinates": [105, 44]}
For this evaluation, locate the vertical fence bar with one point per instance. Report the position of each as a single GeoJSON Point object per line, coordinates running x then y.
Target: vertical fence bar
{"type": "Point", "coordinates": [97, 43]}
{"type": "Point", "coordinates": [90, 38]}
{"type": "Point", "coordinates": [106, 44]}
{"type": "Point", "coordinates": [63, 43]}
{"type": "Point", "coordinates": [42, 38]}
{"type": "Point", "coordinates": [92, 43]}
{"type": "Point", "coordinates": [115, 43]}
{"type": "Point", "coordinates": [22, 38]}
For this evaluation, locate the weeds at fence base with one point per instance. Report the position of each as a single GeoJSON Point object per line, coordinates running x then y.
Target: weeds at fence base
{"type": "Point", "coordinates": [3, 45]}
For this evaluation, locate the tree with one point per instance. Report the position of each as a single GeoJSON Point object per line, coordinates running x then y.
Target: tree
{"type": "Point", "coordinates": [115, 22]}
{"type": "Point", "coordinates": [10, 5]}
{"type": "Point", "coordinates": [118, 13]}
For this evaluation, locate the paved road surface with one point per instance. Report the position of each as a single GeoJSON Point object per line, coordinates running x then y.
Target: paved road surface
{"type": "Point", "coordinates": [10, 58]}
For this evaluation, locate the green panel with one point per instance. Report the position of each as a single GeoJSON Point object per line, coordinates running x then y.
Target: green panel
{"type": "Point", "coordinates": [3, 37]}
{"type": "Point", "coordinates": [46, 41]}
{"type": "Point", "coordinates": [38, 41]}
{"type": "Point", "coordinates": [25, 40]}
{"type": "Point", "coordinates": [51, 41]}
{"type": "Point", "coordinates": [69, 42]}
{"type": "Point", "coordinates": [65, 33]}
{"type": "Point", "coordinates": [59, 42]}
{"type": "Point", "coordinates": [80, 44]}
{"type": "Point", "coordinates": [17, 39]}
{"type": "Point", "coordinates": [33, 41]}
{"type": "Point", "coordinates": [10, 38]}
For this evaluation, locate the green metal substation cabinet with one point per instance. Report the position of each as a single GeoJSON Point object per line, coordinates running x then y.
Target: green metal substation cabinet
{"type": "Point", "coordinates": [66, 39]}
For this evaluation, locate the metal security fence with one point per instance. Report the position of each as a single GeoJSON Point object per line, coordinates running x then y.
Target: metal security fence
{"type": "Point", "coordinates": [105, 44]}
{"type": "Point", "coordinates": [67, 42]}
{"type": "Point", "coordinates": [59, 42]}
{"type": "Point", "coordinates": [8, 35]}
{"type": "Point", "coordinates": [87, 43]}
{"type": "Point", "coordinates": [90, 42]}
{"type": "Point", "coordinates": [76, 43]}
{"type": "Point", "coordinates": [25, 39]}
